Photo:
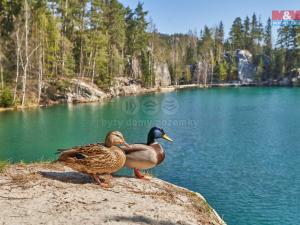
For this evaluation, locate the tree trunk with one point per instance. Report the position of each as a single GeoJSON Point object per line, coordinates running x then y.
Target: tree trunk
{"type": "Point", "coordinates": [40, 79]}
{"type": "Point", "coordinates": [212, 67]}
{"type": "Point", "coordinates": [18, 64]}
{"type": "Point", "coordinates": [41, 71]}
{"type": "Point", "coordinates": [81, 50]}
{"type": "Point", "coordinates": [1, 74]}
{"type": "Point", "coordinates": [63, 32]}
{"type": "Point", "coordinates": [110, 63]}
{"type": "Point", "coordinates": [94, 67]}
{"type": "Point", "coordinates": [89, 64]}
{"type": "Point", "coordinates": [26, 55]}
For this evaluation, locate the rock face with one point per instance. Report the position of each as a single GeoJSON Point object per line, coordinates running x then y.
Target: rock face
{"type": "Point", "coordinates": [84, 91]}
{"type": "Point", "coordinates": [87, 92]}
{"type": "Point", "coordinates": [162, 75]}
{"type": "Point", "coordinates": [53, 194]}
{"type": "Point", "coordinates": [246, 70]}
{"type": "Point", "coordinates": [125, 86]}
{"type": "Point", "coordinates": [136, 70]}
{"type": "Point", "coordinates": [296, 79]}
{"type": "Point", "coordinates": [200, 72]}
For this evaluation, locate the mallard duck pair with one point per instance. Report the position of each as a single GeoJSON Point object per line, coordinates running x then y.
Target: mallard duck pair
{"type": "Point", "coordinates": [102, 159]}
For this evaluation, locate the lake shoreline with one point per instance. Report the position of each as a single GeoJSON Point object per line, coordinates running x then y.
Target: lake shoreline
{"type": "Point", "coordinates": [69, 197]}
{"type": "Point", "coordinates": [140, 91]}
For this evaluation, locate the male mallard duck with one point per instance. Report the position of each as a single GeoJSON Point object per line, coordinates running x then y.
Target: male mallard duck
{"type": "Point", "coordinates": [146, 156]}
{"type": "Point", "coordinates": [96, 159]}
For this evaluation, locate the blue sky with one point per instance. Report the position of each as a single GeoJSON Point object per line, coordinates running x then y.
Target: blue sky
{"type": "Point", "coordinates": [171, 16]}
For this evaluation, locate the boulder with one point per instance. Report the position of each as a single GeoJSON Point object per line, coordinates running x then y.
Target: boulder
{"type": "Point", "coordinates": [286, 81]}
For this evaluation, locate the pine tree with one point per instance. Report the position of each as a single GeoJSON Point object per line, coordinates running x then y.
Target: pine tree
{"type": "Point", "coordinates": [145, 67]}
{"type": "Point", "coordinates": [280, 65]}
{"type": "Point", "coordinates": [256, 32]}
{"type": "Point", "coordinates": [236, 34]}
{"type": "Point", "coordinates": [97, 45]}
{"type": "Point", "coordinates": [268, 38]}
{"type": "Point", "coordinates": [219, 42]}
{"type": "Point", "coordinates": [205, 46]}
{"type": "Point", "coordinates": [136, 36]}
{"type": "Point", "coordinates": [247, 37]}
{"type": "Point", "coordinates": [141, 26]}
{"type": "Point", "coordinates": [114, 28]}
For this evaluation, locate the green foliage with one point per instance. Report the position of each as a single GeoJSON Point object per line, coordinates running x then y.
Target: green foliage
{"type": "Point", "coordinates": [6, 98]}
{"type": "Point", "coordinates": [223, 71]}
{"type": "Point", "coordinates": [62, 85]}
{"type": "Point", "coordinates": [247, 36]}
{"type": "Point", "coordinates": [259, 69]}
{"type": "Point", "coordinates": [280, 67]}
{"type": "Point", "coordinates": [219, 43]}
{"type": "Point", "coordinates": [190, 55]}
{"type": "Point", "coordinates": [97, 40]}
{"type": "Point", "coordinates": [268, 38]}
{"type": "Point", "coordinates": [187, 74]}
{"type": "Point", "coordinates": [236, 34]}
{"type": "Point", "coordinates": [146, 70]}
{"type": "Point", "coordinates": [136, 38]}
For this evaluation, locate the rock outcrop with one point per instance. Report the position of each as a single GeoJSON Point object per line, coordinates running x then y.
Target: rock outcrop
{"type": "Point", "coordinates": [162, 75]}
{"type": "Point", "coordinates": [125, 86]}
{"type": "Point", "coordinates": [53, 194]}
{"type": "Point", "coordinates": [87, 92]}
{"type": "Point", "coordinates": [296, 79]}
{"type": "Point", "coordinates": [246, 70]}
{"type": "Point", "coordinates": [200, 72]}
{"type": "Point", "coordinates": [76, 91]}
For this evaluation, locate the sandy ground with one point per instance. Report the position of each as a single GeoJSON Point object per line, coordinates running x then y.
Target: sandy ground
{"type": "Point", "coordinates": [53, 194]}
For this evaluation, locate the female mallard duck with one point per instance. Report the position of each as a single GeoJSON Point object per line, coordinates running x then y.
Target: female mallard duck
{"type": "Point", "coordinates": [146, 156]}
{"type": "Point", "coordinates": [96, 159]}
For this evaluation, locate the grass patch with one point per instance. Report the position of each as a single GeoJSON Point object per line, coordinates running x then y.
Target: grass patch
{"type": "Point", "coordinates": [3, 164]}
{"type": "Point", "coordinates": [199, 203]}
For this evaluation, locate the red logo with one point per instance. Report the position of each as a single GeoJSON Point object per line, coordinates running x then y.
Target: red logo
{"type": "Point", "coordinates": [286, 15]}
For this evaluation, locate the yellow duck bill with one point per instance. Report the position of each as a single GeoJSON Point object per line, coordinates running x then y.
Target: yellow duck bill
{"type": "Point", "coordinates": [166, 137]}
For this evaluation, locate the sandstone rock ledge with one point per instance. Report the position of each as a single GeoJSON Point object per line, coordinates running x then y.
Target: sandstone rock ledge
{"type": "Point", "coordinates": [45, 193]}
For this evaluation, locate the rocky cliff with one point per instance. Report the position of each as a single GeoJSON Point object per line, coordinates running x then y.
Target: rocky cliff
{"type": "Point", "coordinates": [162, 75]}
{"type": "Point", "coordinates": [246, 70]}
{"type": "Point", "coordinates": [200, 72]}
{"type": "Point", "coordinates": [75, 91]}
{"type": "Point", "coordinates": [82, 90]}
{"type": "Point", "coordinates": [53, 194]}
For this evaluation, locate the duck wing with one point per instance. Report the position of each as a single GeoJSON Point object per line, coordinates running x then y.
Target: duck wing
{"type": "Point", "coordinates": [135, 148]}
{"type": "Point", "coordinates": [93, 159]}
{"type": "Point", "coordinates": [141, 156]}
{"type": "Point", "coordinates": [81, 152]}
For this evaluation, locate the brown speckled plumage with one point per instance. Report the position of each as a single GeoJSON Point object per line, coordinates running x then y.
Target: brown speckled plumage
{"type": "Point", "coordinates": [96, 159]}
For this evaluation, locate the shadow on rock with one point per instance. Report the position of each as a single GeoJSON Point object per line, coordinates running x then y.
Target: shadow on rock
{"type": "Point", "coordinates": [145, 220]}
{"type": "Point", "coordinates": [68, 177]}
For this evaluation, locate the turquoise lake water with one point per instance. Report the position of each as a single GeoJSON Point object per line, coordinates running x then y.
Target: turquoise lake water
{"type": "Point", "coordinates": [239, 147]}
